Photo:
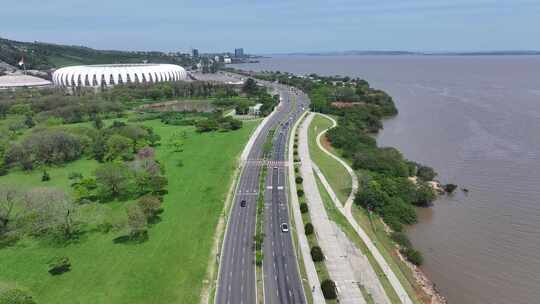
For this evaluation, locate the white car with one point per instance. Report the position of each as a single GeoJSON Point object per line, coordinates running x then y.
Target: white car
{"type": "Point", "coordinates": [284, 227]}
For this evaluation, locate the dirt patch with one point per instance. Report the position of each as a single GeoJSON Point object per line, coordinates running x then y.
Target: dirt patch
{"type": "Point", "coordinates": [342, 104]}
{"type": "Point", "coordinates": [181, 106]}
{"type": "Point", "coordinates": [325, 142]}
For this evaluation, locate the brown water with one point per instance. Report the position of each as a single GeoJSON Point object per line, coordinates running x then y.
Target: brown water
{"type": "Point", "coordinates": [477, 121]}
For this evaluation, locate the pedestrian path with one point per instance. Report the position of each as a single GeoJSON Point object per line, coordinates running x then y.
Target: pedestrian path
{"type": "Point", "coordinates": [336, 256]}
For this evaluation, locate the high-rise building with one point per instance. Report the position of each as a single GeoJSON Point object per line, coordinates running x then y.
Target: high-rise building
{"type": "Point", "coordinates": [239, 52]}
{"type": "Point", "coordinates": [195, 53]}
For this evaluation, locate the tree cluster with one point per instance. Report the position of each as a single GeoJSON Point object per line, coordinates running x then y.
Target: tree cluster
{"type": "Point", "coordinates": [37, 212]}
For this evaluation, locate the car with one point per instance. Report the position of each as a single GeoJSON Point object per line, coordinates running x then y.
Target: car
{"type": "Point", "coordinates": [243, 203]}
{"type": "Point", "coordinates": [284, 227]}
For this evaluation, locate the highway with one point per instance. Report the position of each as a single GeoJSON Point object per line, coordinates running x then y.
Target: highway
{"type": "Point", "coordinates": [237, 279]}
{"type": "Point", "coordinates": [282, 283]}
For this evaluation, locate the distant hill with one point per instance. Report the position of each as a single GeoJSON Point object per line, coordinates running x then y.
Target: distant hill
{"type": "Point", "coordinates": [43, 56]}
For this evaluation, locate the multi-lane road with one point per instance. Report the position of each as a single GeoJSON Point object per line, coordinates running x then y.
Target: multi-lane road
{"type": "Point", "coordinates": [237, 279]}
{"type": "Point", "coordinates": [282, 282]}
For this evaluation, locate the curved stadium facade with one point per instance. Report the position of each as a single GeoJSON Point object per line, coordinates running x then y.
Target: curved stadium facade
{"type": "Point", "coordinates": [114, 74]}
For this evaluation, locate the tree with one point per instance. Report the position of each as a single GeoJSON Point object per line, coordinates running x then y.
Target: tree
{"type": "Point", "coordinates": [98, 123]}
{"type": "Point", "coordinates": [29, 122]}
{"type": "Point", "coordinates": [299, 180]}
{"type": "Point", "coordinates": [414, 256]}
{"type": "Point", "coordinates": [137, 222]}
{"type": "Point", "coordinates": [59, 265]}
{"type": "Point", "coordinates": [425, 195]}
{"type": "Point", "coordinates": [304, 208]}
{"type": "Point", "coordinates": [449, 188]}
{"type": "Point", "coordinates": [317, 254]}
{"type": "Point", "coordinates": [328, 288]}
{"type": "Point", "coordinates": [308, 228]}
{"type": "Point", "coordinates": [372, 197]}
{"type": "Point", "coordinates": [99, 148]}
{"type": "Point", "coordinates": [51, 210]}
{"type": "Point", "coordinates": [118, 146]}
{"type": "Point", "coordinates": [176, 141]}
{"type": "Point", "coordinates": [10, 207]}
{"type": "Point", "coordinates": [250, 86]}
{"type": "Point", "coordinates": [207, 125]}
{"type": "Point", "coordinates": [150, 206]}
{"type": "Point", "coordinates": [45, 176]}
{"type": "Point", "coordinates": [425, 173]}
{"type": "Point", "coordinates": [113, 179]}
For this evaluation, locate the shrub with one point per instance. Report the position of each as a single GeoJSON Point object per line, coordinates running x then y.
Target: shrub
{"type": "Point", "coordinates": [449, 188]}
{"type": "Point", "coordinates": [308, 228]}
{"type": "Point", "coordinates": [425, 173]}
{"type": "Point", "coordinates": [137, 223]}
{"type": "Point", "coordinates": [75, 175]}
{"type": "Point", "coordinates": [59, 265]}
{"type": "Point", "coordinates": [16, 296]}
{"type": "Point", "coordinates": [304, 208]}
{"type": "Point", "coordinates": [300, 192]}
{"type": "Point", "coordinates": [329, 289]}
{"type": "Point", "coordinates": [425, 195]}
{"type": "Point", "coordinates": [414, 256]}
{"type": "Point", "coordinates": [150, 205]}
{"type": "Point", "coordinates": [3, 169]}
{"type": "Point", "coordinates": [393, 223]}
{"type": "Point", "coordinates": [401, 239]}
{"type": "Point", "coordinates": [259, 258]}
{"type": "Point", "coordinates": [259, 239]}
{"type": "Point", "coordinates": [45, 177]}
{"type": "Point", "coordinates": [317, 254]}
{"type": "Point", "coordinates": [299, 180]}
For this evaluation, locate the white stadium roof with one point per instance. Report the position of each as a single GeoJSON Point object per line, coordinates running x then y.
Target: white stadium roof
{"type": "Point", "coordinates": [113, 74]}
{"type": "Point", "coordinates": [13, 81]}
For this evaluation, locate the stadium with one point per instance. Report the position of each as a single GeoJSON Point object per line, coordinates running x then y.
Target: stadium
{"type": "Point", "coordinates": [114, 74]}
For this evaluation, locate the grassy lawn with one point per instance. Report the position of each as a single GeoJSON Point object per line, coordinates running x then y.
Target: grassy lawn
{"type": "Point", "coordinates": [170, 266]}
{"type": "Point", "coordinates": [336, 175]}
{"type": "Point", "coordinates": [334, 172]}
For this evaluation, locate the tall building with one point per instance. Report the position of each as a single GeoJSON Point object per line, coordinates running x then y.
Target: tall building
{"type": "Point", "coordinates": [195, 53]}
{"type": "Point", "coordinates": [239, 53]}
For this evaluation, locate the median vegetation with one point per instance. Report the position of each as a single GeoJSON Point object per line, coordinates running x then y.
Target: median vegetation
{"type": "Point", "coordinates": [317, 255]}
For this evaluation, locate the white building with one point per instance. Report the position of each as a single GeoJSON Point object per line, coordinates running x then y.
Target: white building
{"type": "Point", "coordinates": [114, 74]}
{"type": "Point", "coordinates": [255, 110]}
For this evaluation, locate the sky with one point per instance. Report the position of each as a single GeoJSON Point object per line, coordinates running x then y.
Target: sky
{"type": "Point", "coordinates": [276, 26]}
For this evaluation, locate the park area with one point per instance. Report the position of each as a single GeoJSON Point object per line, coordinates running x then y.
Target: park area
{"type": "Point", "coordinates": [169, 266]}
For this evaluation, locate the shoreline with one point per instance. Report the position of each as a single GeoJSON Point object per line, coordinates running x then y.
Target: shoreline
{"type": "Point", "coordinates": [426, 290]}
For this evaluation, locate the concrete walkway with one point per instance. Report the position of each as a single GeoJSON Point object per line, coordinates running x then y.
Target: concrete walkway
{"type": "Point", "coordinates": [336, 256]}
{"type": "Point", "coordinates": [309, 266]}
{"type": "Point", "coordinates": [347, 212]}
{"type": "Point", "coordinates": [360, 264]}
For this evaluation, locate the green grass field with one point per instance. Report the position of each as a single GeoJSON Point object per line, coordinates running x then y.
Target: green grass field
{"type": "Point", "coordinates": [170, 266]}
{"type": "Point", "coordinates": [334, 172]}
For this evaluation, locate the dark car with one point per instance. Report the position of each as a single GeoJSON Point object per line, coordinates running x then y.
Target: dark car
{"type": "Point", "coordinates": [243, 203]}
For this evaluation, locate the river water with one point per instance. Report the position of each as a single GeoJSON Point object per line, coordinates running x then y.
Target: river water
{"type": "Point", "coordinates": [476, 120]}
